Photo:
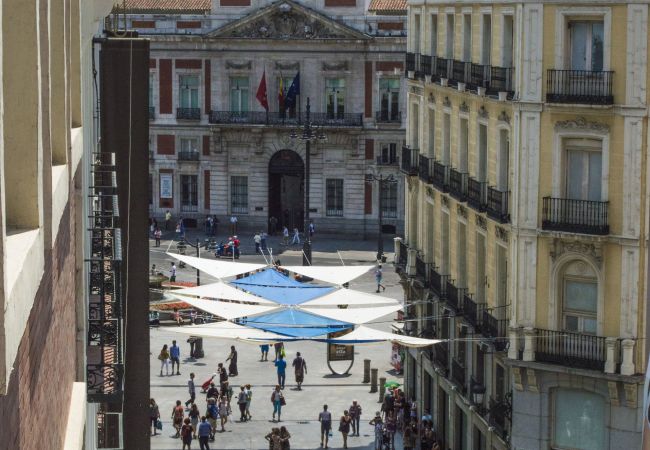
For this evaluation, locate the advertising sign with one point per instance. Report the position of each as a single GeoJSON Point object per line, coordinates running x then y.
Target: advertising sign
{"type": "Point", "coordinates": [166, 185]}
{"type": "Point", "coordinates": [338, 352]}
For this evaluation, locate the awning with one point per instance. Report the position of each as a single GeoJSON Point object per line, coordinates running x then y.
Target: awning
{"type": "Point", "coordinates": [222, 291]}
{"type": "Point", "coordinates": [228, 330]}
{"type": "Point", "coordinates": [351, 297]}
{"type": "Point", "coordinates": [356, 316]}
{"type": "Point", "coordinates": [294, 323]}
{"type": "Point", "coordinates": [227, 310]}
{"type": "Point", "coordinates": [275, 286]}
{"type": "Point", "coordinates": [216, 268]}
{"type": "Point", "coordinates": [330, 274]}
{"type": "Point", "coordinates": [365, 335]}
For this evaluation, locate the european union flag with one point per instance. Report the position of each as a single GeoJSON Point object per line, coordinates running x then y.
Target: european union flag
{"type": "Point", "coordinates": [293, 92]}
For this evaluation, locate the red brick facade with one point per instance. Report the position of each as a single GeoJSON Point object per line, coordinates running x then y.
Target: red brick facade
{"type": "Point", "coordinates": [368, 89]}
{"type": "Point", "coordinates": [188, 24]}
{"type": "Point", "coordinates": [165, 86]}
{"type": "Point", "coordinates": [340, 3]}
{"type": "Point", "coordinates": [188, 63]}
{"type": "Point", "coordinates": [235, 2]}
{"type": "Point", "coordinates": [389, 66]}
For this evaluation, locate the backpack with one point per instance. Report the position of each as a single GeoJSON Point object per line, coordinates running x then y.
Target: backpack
{"type": "Point", "coordinates": [186, 431]}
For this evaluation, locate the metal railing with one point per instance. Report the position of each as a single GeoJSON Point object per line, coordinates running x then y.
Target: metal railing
{"type": "Point", "coordinates": [409, 161]}
{"type": "Point", "coordinates": [381, 161]}
{"type": "Point", "coordinates": [496, 329]}
{"type": "Point", "coordinates": [458, 184]}
{"type": "Point", "coordinates": [440, 177]}
{"type": "Point", "coordinates": [188, 113]}
{"type": "Point", "coordinates": [420, 269]}
{"type": "Point", "coordinates": [403, 254]}
{"type": "Point", "coordinates": [579, 86]}
{"type": "Point", "coordinates": [500, 80]}
{"type": "Point", "coordinates": [478, 76]}
{"type": "Point", "coordinates": [575, 216]}
{"type": "Point", "coordinates": [410, 62]}
{"type": "Point", "coordinates": [441, 355]}
{"type": "Point", "coordinates": [189, 208]}
{"type": "Point", "coordinates": [442, 67]}
{"type": "Point", "coordinates": [497, 205]}
{"type": "Point", "coordinates": [426, 64]}
{"type": "Point", "coordinates": [500, 410]}
{"type": "Point", "coordinates": [285, 118]}
{"type": "Point", "coordinates": [385, 115]}
{"type": "Point", "coordinates": [438, 282]}
{"type": "Point", "coordinates": [453, 294]}
{"type": "Point", "coordinates": [470, 310]}
{"type": "Point", "coordinates": [477, 194]}
{"type": "Point", "coordinates": [425, 166]}
{"type": "Point", "coordinates": [571, 349]}
{"type": "Point", "coordinates": [459, 375]}
{"type": "Point", "coordinates": [188, 156]}
{"type": "Point", "coordinates": [152, 112]}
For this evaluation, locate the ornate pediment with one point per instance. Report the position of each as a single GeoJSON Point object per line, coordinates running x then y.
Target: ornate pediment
{"type": "Point", "coordinates": [287, 20]}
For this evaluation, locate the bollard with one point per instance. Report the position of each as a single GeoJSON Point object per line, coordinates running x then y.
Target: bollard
{"type": "Point", "coordinates": [366, 371]}
{"type": "Point", "coordinates": [373, 380]}
{"type": "Point", "coordinates": [382, 388]}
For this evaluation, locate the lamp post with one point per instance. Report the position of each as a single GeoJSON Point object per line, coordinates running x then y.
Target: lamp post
{"type": "Point", "coordinates": [381, 179]}
{"type": "Point", "coordinates": [198, 254]}
{"type": "Point", "coordinates": [308, 134]}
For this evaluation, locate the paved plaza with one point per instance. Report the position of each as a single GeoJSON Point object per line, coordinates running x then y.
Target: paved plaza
{"type": "Point", "coordinates": [300, 415]}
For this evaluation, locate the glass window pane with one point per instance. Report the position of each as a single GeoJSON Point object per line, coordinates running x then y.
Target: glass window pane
{"type": "Point", "coordinates": [597, 38]}
{"type": "Point", "coordinates": [581, 296]}
{"type": "Point", "coordinates": [578, 45]}
{"type": "Point", "coordinates": [589, 325]}
{"type": "Point", "coordinates": [571, 323]}
{"type": "Point", "coordinates": [576, 174]}
{"type": "Point", "coordinates": [595, 176]}
{"type": "Point", "coordinates": [579, 420]}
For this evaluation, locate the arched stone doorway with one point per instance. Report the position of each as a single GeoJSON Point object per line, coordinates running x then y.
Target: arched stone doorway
{"type": "Point", "coordinates": [286, 189]}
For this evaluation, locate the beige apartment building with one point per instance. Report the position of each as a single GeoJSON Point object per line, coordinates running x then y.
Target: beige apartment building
{"type": "Point", "coordinates": [526, 221]}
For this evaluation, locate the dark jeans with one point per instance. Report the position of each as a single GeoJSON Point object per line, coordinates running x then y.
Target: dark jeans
{"type": "Point", "coordinates": [203, 442]}
{"type": "Point", "coordinates": [242, 410]}
{"type": "Point", "coordinates": [355, 424]}
{"type": "Point", "coordinates": [281, 379]}
{"type": "Point", "coordinates": [191, 400]}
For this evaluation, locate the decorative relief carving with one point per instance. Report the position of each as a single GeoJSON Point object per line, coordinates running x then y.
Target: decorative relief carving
{"type": "Point", "coordinates": [461, 211]}
{"type": "Point", "coordinates": [336, 66]}
{"type": "Point", "coordinates": [463, 107]}
{"type": "Point", "coordinates": [482, 112]}
{"type": "Point", "coordinates": [481, 222]}
{"type": "Point", "coordinates": [501, 234]}
{"type": "Point", "coordinates": [582, 124]}
{"type": "Point", "coordinates": [432, 99]}
{"type": "Point", "coordinates": [591, 250]}
{"type": "Point", "coordinates": [279, 65]}
{"type": "Point", "coordinates": [237, 65]}
{"type": "Point", "coordinates": [417, 90]}
{"type": "Point", "coordinates": [444, 200]}
{"type": "Point", "coordinates": [430, 192]}
{"type": "Point", "coordinates": [504, 117]}
{"type": "Point", "coordinates": [446, 102]}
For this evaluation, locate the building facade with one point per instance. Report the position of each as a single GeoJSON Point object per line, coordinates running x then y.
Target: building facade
{"type": "Point", "coordinates": [215, 150]}
{"type": "Point", "coordinates": [526, 221]}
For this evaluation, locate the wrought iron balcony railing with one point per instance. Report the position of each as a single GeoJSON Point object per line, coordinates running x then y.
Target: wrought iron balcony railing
{"type": "Point", "coordinates": [470, 310]}
{"type": "Point", "coordinates": [409, 161]}
{"type": "Point", "coordinates": [460, 71]}
{"type": "Point", "coordinates": [565, 348]}
{"type": "Point", "coordinates": [442, 69]}
{"type": "Point", "coordinates": [188, 113]}
{"type": "Point", "coordinates": [386, 116]}
{"type": "Point", "coordinates": [500, 80]}
{"type": "Point", "coordinates": [421, 269]}
{"type": "Point", "coordinates": [500, 415]}
{"type": "Point", "coordinates": [575, 216]}
{"type": "Point", "coordinates": [440, 176]}
{"type": "Point", "coordinates": [425, 64]}
{"type": "Point", "coordinates": [494, 328]}
{"type": "Point", "coordinates": [458, 184]}
{"type": "Point", "coordinates": [579, 86]}
{"type": "Point", "coordinates": [410, 62]}
{"type": "Point", "coordinates": [438, 282]}
{"type": "Point", "coordinates": [425, 168]}
{"type": "Point", "coordinates": [497, 205]}
{"type": "Point", "coordinates": [441, 356]}
{"type": "Point", "coordinates": [459, 375]}
{"type": "Point", "coordinates": [188, 156]}
{"type": "Point", "coordinates": [403, 255]}
{"type": "Point", "coordinates": [326, 119]}
{"type": "Point", "coordinates": [477, 194]}
{"type": "Point", "coordinates": [454, 294]}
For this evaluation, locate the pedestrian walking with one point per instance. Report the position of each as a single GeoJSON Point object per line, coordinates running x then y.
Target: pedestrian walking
{"type": "Point", "coordinates": [264, 349]}
{"type": "Point", "coordinates": [408, 439]}
{"type": "Point", "coordinates": [191, 389]}
{"type": "Point", "coordinates": [257, 239]}
{"type": "Point", "coordinates": [164, 360]}
{"type": "Point", "coordinates": [157, 235]}
{"type": "Point", "coordinates": [154, 415]}
{"type": "Point", "coordinates": [379, 275]}
{"type": "Point", "coordinates": [205, 431]}
{"type": "Point", "coordinates": [224, 410]}
{"type": "Point", "coordinates": [325, 419]}
{"type": "Point", "coordinates": [300, 369]}
{"type": "Point", "coordinates": [232, 367]}
{"type": "Point", "coordinates": [296, 237]}
{"type": "Point", "coordinates": [274, 439]}
{"type": "Point", "coordinates": [172, 273]}
{"type": "Point", "coordinates": [284, 438]}
{"type": "Point", "coordinates": [186, 434]}
{"type": "Point", "coordinates": [378, 425]}
{"type": "Point", "coordinates": [212, 391]}
{"type": "Point", "coordinates": [355, 413]}
{"type": "Point", "coordinates": [241, 402]}
{"type": "Point", "coordinates": [212, 414]}
{"type": "Point", "coordinates": [175, 353]}
{"type": "Point", "coordinates": [223, 377]}
{"type": "Point", "coordinates": [285, 235]}
{"type": "Point", "coordinates": [263, 238]}
{"type": "Point", "coordinates": [278, 401]}
{"type": "Point", "coordinates": [168, 218]}
{"type": "Point", "coordinates": [249, 399]}
{"type": "Point", "coordinates": [281, 366]}
{"type": "Point", "coordinates": [311, 228]}
{"type": "Point", "coordinates": [344, 427]}
{"type": "Point", "coordinates": [273, 225]}
{"type": "Point", "coordinates": [195, 415]}
{"type": "Point", "coordinates": [233, 224]}
{"type": "Point", "coordinates": [177, 417]}
{"type": "Point", "coordinates": [278, 346]}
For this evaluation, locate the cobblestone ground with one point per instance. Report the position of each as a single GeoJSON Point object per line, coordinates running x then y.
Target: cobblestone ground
{"type": "Point", "coordinates": [300, 415]}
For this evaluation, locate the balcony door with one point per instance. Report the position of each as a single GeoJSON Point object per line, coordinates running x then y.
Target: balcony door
{"type": "Point", "coordinates": [335, 98]}
{"type": "Point", "coordinates": [389, 99]}
{"type": "Point", "coordinates": [586, 46]}
{"type": "Point", "coordinates": [583, 170]}
{"type": "Point", "coordinates": [239, 93]}
{"type": "Point", "coordinates": [189, 91]}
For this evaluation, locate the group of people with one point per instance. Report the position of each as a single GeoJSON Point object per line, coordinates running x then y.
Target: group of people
{"type": "Point", "coordinates": [229, 248]}
{"type": "Point", "coordinates": [350, 420]}
{"type": "Point", "coordinates": [211, 225]}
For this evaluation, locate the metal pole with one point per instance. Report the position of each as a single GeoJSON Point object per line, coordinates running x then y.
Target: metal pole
{"type": "Point", "coordinates": [380, 240]}
{"type": "Point", "coordinates": [198, 255]}
{"type": "Point", "coordinates": [306, 249]}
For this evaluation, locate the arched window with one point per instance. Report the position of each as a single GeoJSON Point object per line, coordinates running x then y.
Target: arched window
{"type": "Point", "coordinates": [579, 294]}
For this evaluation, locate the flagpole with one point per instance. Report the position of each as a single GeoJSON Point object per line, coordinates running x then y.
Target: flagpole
{"type": "Point", "coordinates": [267, 104]}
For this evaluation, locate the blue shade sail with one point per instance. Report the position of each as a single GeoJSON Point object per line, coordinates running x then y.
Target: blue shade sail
{"type": "Point", "coordinates": [295, 323]}
{"type": "Point", "coordinates": [272, 285]}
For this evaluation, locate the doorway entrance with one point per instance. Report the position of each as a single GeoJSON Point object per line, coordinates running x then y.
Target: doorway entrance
{"type": "Point", "coordinates": [286, 189]}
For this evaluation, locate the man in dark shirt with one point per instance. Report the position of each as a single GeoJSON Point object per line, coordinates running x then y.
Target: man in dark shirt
{"type": "Point", "coordinates": [300, 369]}
{"type": "Point", "coordinates": [223, 375]}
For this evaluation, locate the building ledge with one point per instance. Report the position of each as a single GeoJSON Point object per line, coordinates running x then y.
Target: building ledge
{"type": "Point", "coordinates": [77, 147]}
{"type": "Point", "coordinates": [60, 193]}
{"type": "Point", "coordinates": [555, 368]}
{"type": "Point", "coordinates": [74, 433]}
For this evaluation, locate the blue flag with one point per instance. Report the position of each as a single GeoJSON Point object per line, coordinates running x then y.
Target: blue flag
{"type": "Point", "coordinates": [294, 90]}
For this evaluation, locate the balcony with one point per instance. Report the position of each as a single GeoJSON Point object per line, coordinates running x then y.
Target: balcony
{"type": "Point", "coordinates": [500, 80]}
{"type": "Point", "coordinates": [477, 194]}
{"type": "Point", "coordinates": [442, 66]}
{"type": "Point", "coordinates": [453, 295]}
{"type": "Point", "coordinates": [478, 76]}
{"type": "Point", "coordinates": [410, 62]}
{"type": "Point", "coordinates": [458, 375]}
{"type": "Point", "coordinates": [188, 113]}
{"type": "Point", "coordinates": [497, 205]}
{"type": "Point", "coordinates": [386, 116]}
{"type": "Point", "coordinates": [187, 207]}
{"type": "Point", "coordinates": [438, 282]}
{"type": "Point", "coordinates": [441, 355]}
{"type": "Point", "coordinates": [188, 156]}
{"type": "Point", "coordinates": [334, 120]}
{"type": "Point", "coordinates": [571, 349]}
{"type": "Point", "coordinates": [494, 328]}
{"type": "Point", "coordinates": [414, 64]}
{"type": "Point", "coordinates": [579, 86]}
{"type": "Point", "coordinates": [460, 71]}
{"type": "Point", "coordinates": [425, 168]}
{"type": "Point", "coordinates": [152, 112]}
{"type": "Point", "coordinates": [470, 310]}
{"type": "Point", "coordinates": [403, 255]}
{"type": "Point", "coordinates": [575, 216]}
{"type": "Point", "coordinates": [409, 161]}
{"type": "Point", "coordinates": [458, 184]}
{"type": "Point", "coordinates": [421, 269]}
{"type": "Point", "coordinates": [440, 177]}
{"type": "Point", "coordinates": [500, 410]}
{"type": "Point", "coordinates": [387, 161]}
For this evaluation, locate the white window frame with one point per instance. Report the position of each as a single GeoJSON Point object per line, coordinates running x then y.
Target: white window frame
{"type": "Point", "coordinates": [482, 59]}
{"type": "Point", "coordinates": [564, 15]}
{"type": "Point", "coordinates": [180, 75]}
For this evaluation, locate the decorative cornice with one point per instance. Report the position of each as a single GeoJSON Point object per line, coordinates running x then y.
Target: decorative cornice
{"type": "Point", "coordinates": [432, 99]}
{"type": "Point", "coordinates": [446, 102]}
{"type": "Point", "coordinates": [482, 112]}
{"type": "Point", "coordinates": [504, 117]}
{"type": "Point", "coordinates": [501, 234]}
{"type": "Point", "coordinates": [430, 192]}
{"type": "Point", "coordinates": [417, 90]}
{"type": "Point", "coordinates": [444, 200]}
{"type": "Point", "coordinates": [481, 222]}
{"type": "Point", "coordinates": [581, 124]}
{"type": "Point", "coordinates": [463, 107]}
{"type": "Point", "coordinates": [589, 250]}
{"type": "Point", "coordinates": [336, 66]}
{"type": "Point", "coordinates": [460, 209]}
{"type": "Point", "coordinates": [279, 65]}
{"type": "Point", "coordinates": [233, 65]}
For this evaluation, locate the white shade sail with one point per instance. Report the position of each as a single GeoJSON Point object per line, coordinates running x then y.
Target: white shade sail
{"type": "Point", "coordinates": [222, 291]}
{"type": "Point", "coordinates": [356, 316]}
{"type": "Point", "coordinates": [330, 274]}
{"type": "Point", "coordinates": [228, 330]}
{"type": "Point", "coordinates": [216, 268]}
{"type": "Point", "coordinates": [350, 297]}
{"type": "Point", "coordinates": [365, 335]}
{"type": "Point", "coordinates": [226, 310]}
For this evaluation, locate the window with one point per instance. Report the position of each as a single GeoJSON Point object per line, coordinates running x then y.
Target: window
{"type": "Point", "coordinates": [239, 195]}
{"type": "Point", "coordinates": [434, 35]}
{"type": "Point", "coordinates": [189, 145]}
{"type": "Point", "coordinates": [579, 299]}
{"type": "Point", "coordinates": [450, 36]}
{"type": "Point", "coordinates": [416, 33]}
{"type": "Point", "coordinates": [415, 125]}
{"type": "Point", "coordinates": [389, 200]}
{"type": "Point", "coordinates": [334, 198]}
{"type": "Point", "coordinates": [486, 40]}
{"type": "Point", "coordinates": [389, 153]}
{"type": "Point", "coordinates": [500, 382]}
{"type": "Point", "coordinates": [151, 81]}
{"type": "Point", "coordinates": [239, 94]}
{"type": "Point", "coordinates": [189, 91]}
{"type": "Point", "coordinates": [479, 368]}
{"type": "Point", "coordinates": [586, 45]}
{"type": "Point", "coordinates": [461, 269]}
{"type": "Point", "coordinates": [482, 153]}
{"type": "Point", "coordinates": [463, 145]}
{"type": "Point", "coordinates": [507, 39]}
{"type": "Point", "coordinates": [461, 430]}
{"type": "Point", "coordinates": [503, 161]}
{"type": "Point", "coordinates": [467, 37]}
{"type": "Point", "coordinates": [389, 99]}
{"type": "Point", "coordinates": [480, 268]}
{"type": "Point", "coordinates": [432, 133]}
{"type": "Point", "coordinates": [189, 193]}
{"type": "Point", "coordinates": [446, 139]}
{"type": "Point", "coordinates": [579, 420]}
{"type": "Point", "coordinates": [444, 266]}
{"type": "Point", "coordinates": [335, 97]}
{"type": "Point", "coordinates": [583, 169]}
{"type": "Point", "coordinates": [284, 83]}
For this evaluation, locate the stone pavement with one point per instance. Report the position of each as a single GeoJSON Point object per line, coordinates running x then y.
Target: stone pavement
{"type": "Point", "coordinates": [300, 415]}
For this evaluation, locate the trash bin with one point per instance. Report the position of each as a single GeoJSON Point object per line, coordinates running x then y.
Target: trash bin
{"type": "Point", "coordinates": [198, 348]}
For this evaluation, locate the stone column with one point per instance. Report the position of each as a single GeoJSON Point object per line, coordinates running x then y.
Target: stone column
{"type": "Point", "coordinates": [610, 361]}
{"type": "Point", "coordinates": [529, 344]}
{"type": "Point", "coordinates": [397, 241]}
{"type": "Point", "coordinates": [410, 262]}
{"type": "Point", "coordinates": [513, 348]}
{"type": "Point", "coordinates": [627, 365]}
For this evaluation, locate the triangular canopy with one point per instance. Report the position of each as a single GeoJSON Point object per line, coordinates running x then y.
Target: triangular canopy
{"type": "Point", "coordinates": [330, 274]}
{"type": "Point", "coordinates": [350, 297]}
{"type": "Point", "coordinates": [226, 310]}
{"type": "Point", "coordinates": [356, 316]}
{"type": "Point", "coordinates": [228, 330]}
{"type": "Point", "coordinates": [222, 291]}
{"type": "Point", "coordinates": [218, 269]}
{"type": "Point", "coordinates": [295, 323]}
{"type": "Point", "coordinates": [365, 335]}
{"type": "Point", "coordinates": [275, 286]}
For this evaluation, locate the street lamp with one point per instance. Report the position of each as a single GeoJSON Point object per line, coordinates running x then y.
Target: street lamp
{"type": "Point", "coordinates": [181, 246]}
{"type": "Point", "coordinates": [381, 179]}
{"type": "Point", "coordinates": [308, 134]}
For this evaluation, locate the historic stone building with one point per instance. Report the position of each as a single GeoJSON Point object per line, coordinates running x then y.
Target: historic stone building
{"type": "Point", "coordinates": [526, 221]}
{"type": "Point", "coordinates": [215, 150]}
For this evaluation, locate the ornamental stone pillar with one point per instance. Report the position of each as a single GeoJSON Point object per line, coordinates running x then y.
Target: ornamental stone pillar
{"type": "Point", "coordinates": [529, 344]}
{"type": "Point", "coordinates": [610, 361]}
{"type": "Point", "coordinates": [410, 262]}
{"type": "Point", "coordinates": [627, 365]}
{"type": "Point", "coordinates": [397, 241]}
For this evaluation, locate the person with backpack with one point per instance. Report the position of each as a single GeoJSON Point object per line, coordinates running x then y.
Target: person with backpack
{"type": "Point", "coordinates": [186, 434]}
{"type": "Point", "coordinates": [300, 369]}
{"type": "Point", "coordinates": [154, 415]}
{"type": "Point", "coordinates": [241, 402]}
{"type": "Point", "coordinates": [177, 416]}
{"type": "Point", "coordinates": [212, 414]}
